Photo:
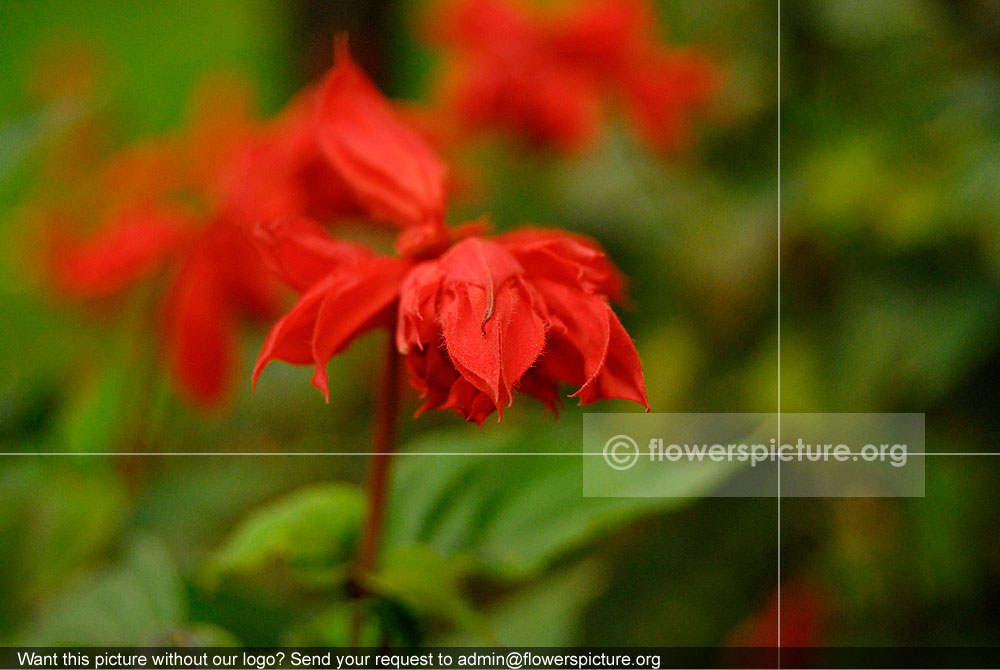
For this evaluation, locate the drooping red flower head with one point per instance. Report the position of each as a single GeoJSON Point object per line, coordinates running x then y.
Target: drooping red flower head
{"type": "Point", "coordinates": [477, 319]}
{"type": "Point", "coordinates": [546, 77]}
{"type": "Point", "coordinates": [528, 312]}
{"type": "Point", "coordinates": [512, 313]}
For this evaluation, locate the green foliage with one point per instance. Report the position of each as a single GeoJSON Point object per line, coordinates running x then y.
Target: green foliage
{"type": "Point", "coordinates": [154, 53]}
{"type": "Point", "coordinates": [138, 601]}
{"type": "Point", "coordinates": [429, 586]}
{"type": "Point", "coordinates": [312, 533]}
{"type": "Point", "coordinates": [512, 516]}
{"type": "Point", "coordinates": [54, 517]}
{"type": "Point", "coordinates": [890, 296]}
{"type": "Point", "coordinates": [546, 612]}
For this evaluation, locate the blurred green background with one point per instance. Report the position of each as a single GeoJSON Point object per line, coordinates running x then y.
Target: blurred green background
{"type": "Point", "coordinates": [890, 259]}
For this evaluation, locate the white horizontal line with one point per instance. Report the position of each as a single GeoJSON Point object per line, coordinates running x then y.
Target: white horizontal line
{"type": "Point", "coordinates": [695, 458]}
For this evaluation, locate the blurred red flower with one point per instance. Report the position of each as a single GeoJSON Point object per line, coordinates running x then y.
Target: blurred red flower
{"type": "Point", "coordinates": [546, 76]}
{"type": "Point", "coordinates": [804, 609]}
{"type": "Point", "coordinates": [476, 318]}
{"type": "Point", "coordinates": [184, 205]}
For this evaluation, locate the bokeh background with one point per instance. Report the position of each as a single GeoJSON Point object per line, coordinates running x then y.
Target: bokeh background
{"type": "Point", "coordinates": [890, 258]}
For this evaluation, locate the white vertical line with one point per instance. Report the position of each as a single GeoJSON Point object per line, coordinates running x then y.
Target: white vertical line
{"type": "Point", "coordinates": [779, 331]}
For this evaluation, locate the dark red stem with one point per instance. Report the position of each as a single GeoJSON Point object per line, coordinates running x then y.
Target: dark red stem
{"type": "Point", "coordinates": [383, 445]}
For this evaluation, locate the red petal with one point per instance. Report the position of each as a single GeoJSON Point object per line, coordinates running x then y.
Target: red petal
{"type": "Point", "coordinates": [481, 24]}
{"type": "Point", "coordinates": [248, 285]}
{"type": "Point", "coordinates": [579, 348]}
{"type": "Point", "coordinates": [590, 348]}
{"type": "Point", "coordinates": [433, 375]}
{"type": "Point", "coordinates": [662, 92]}
{"type": "Point", "coordinates": [469, 401]}
{"type": "Point", "coordinates": [300, 252]}
{"type": "Point", "coordinates": [417, 324]}
{"type": "Point", "coordinates": [200, 325]}
{"type": "Point", "coordinates": [532, 97]}
{"type": "Point", "coordinates": [133, 245]}
{"type": "Point", "coordinates": [478, 261]}
{"type": "Point", "coordinates": [392, 170]}
{"type": "Point", "coordinates": [621, 374]}
{"type": "Point", "coordinates": [510, 76]}
{"type": "Point", "coordinates": [572, 259]}
{"type": "Point", "coordinates": [490, 320]}
{"type": "Point", "coordinates": [539, 385]}
{"type": "Point", "coordinates": [605, 33]}
{"type": "Point", "coordinates": [359, 299]}
{"type": "Point", "coordinates": [284, 173]}
{"type": "Point", "coordinates": [290, 339]}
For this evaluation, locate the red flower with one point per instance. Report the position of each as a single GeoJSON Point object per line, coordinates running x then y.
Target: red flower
{"type": "Point", "coordinates": [134, 245]}
{"type": "Point", "coordinates": [476, 318]}
{"type": "Point", "coordinates": [218, 281]}
{"type": "Point", "coordinates": [216, 277]}
{"type": "Point", "coordinates": [186, 204]}
{"type": "Point", "coordinates": [390, 168]}
{"type": "Point", "coordinates": [502, 315]}
{"type": "Point", "coordinates": [526, 311]}
{"type": "Point", "coordinates": [804, 610]}
{"type": "Point", "coordinates": [352, 291]}
{"type": "Point", "coordinates": [282, 172]}
{"type": "Point", "coordinates": [243, 174]}
{"type": "Point", "coordinates": [545, 77]}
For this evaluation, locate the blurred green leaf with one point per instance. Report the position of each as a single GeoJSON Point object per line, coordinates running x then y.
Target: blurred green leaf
{"type": "Point", "coordinates": [513, 515]}
{"type": "Point", "coordinates": [382, 622]}
{"type": "Point", "coordinates": [152, 54]}
{"type": "Point", "coordinates": [193, 502]}
{"type": "Point", "coordinates": [96, 418]}
{"type": "Point", "coordinates": [312, 532]}
{"type": "Point", "coordinates": [137, 602]}
{"type": "Point", "coordinates": [39, 338]}
{"type": "Point", "coordinates": [547, 613]}
{"type": "Point", "coordinates": [898, 339]}
{"type": "Point", "coordinates": [54, 516]}
{"type": "Point", "coordinates": [430, 586]}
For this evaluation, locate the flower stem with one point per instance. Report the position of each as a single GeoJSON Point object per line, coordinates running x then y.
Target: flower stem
{"type": "Point", "coordinates": [383, 444]}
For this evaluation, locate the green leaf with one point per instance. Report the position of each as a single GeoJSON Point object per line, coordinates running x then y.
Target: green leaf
{"type": "Point", "coordinates": [430, 586]}
{"type": "Point", "coordinates": [93, 419]}
{"type": "Point", "coordinates": [194, 502]}
{"type": "Point", "coordinates": [54, 516]}
{"type": "Point", "coordinates": [915, 345]}
{"type": "Point", "coordinates": [514, 515]}
{"type": "Point", "coordinates": [382, 623]}
{"type": "Point", "coordinates": [138, 602]}
{"type": "Point", "coordinates": [544, 614]}
{"type": "Point", "coordinates": [312, 532]}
